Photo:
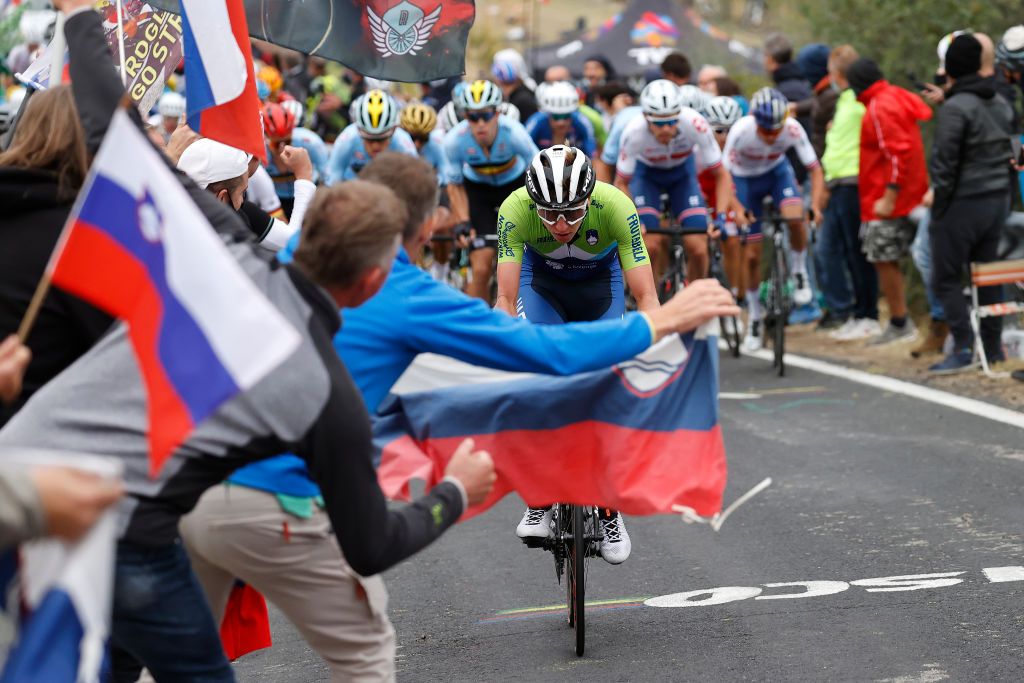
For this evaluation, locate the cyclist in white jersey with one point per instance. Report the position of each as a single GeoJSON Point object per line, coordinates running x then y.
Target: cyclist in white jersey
{"type": "Point", "coordinates": [755, 154]}
{"type": "Point", "coordinates": [657, 157]}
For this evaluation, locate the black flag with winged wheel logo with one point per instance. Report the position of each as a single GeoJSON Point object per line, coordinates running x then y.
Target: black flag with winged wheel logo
{"type": "Point", "coordinates": [395, 40]}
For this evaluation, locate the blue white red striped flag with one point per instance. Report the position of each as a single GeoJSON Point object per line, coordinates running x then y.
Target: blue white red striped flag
{"type": "Point", "coordinates": [220, 84]}
{"type": "Point", "coordinates": [135, 245]}
{"type": "Point", "coordinates": [58, 594]}
{"type": "Point", "coordinates": [640, 437]}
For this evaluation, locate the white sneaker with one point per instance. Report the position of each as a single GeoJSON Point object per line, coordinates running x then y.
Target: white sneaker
{"type": "Point", "coordinates": [844, 329]}
{"type": "Point", "coordinates": [802, 293]}
{"type": "Point", "coordinates": [865, 328]}
{"type": "Point", "coordinates": [615, 545]}
{"type": "Point", "coordinates": [754, 340]}
{"type": "Point", "coordinates": [536, 523]}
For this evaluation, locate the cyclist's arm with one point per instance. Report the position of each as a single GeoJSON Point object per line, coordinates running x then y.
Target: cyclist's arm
{"type": "Point", "coordinates": [458, 200]}
{"type": "Point", "coordinates": [626, 164]}
{"type": "Point", "coordinates": [508, 287]}
{"type": "Point", "coordinates": [641, 284]}
{"type": "Point", "coordinates": [339, 161]}
{"type": "Point", "coordinates": [817, 189]}
{"type": "Point", "coordinates": [455, 189]}
{"type": "Point", "coordinates": [725, 199]}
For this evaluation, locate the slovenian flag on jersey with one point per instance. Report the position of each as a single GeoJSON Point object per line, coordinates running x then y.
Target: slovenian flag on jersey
{"type": "Point", "coordinates": [640, 437]}
{"type": "Point", "coordinates": [137, 246]}
{"type": "Point", "coordinates": [220, 83]}
{"type": "Point", "coordinates": [56, 596]}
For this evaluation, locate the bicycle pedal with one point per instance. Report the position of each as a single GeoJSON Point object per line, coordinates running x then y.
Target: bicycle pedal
{"type": "Point", "coordinates": [534, 542]}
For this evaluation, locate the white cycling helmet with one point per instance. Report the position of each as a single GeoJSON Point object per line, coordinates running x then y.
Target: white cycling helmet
{"type": "Point", "coordinates": [510, 110]}
{"type": "Point", "coordinates": [296, 109]}
{"type": "Point", "coordinates": [448, 117]}
{"type": "Point", "coordinates": [660, 99]}
{"type": "Point", "coordinates": [560, 97]}
{"type": "Point", "coordinates": [693, 97]}
{"type": "Point", "coordinates": [376, 112]}
{"type": "Point", "coordinates": [559, 177]}
{"type": "Point", "coordinates": [481, 95]}
{"type": "Point", "coordinates": [722, 111]}
{"type": "Point", "coordinates": [171, 105]}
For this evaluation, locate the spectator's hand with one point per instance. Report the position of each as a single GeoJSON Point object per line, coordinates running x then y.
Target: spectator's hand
{"type": "Point", "coordinates": [791, 108]}
{"type": "Point", "coordinates": [933, 94]}
{"type": "Point", "coordinates": [818, 216]}
{"type": "Point", "coordinates": [14, 359]}
{"type": "Point", "coordinates": [296, 160]}
{"type": "Point", "coordinates": [69, 6]}
{"type": "Point", "coordinates": [929, 198]}
{"type": "Point", "coordinates": [697, 303]}
{"type": "Point", "coordinates": [1017, 165]}
{"type": "Point", "coordinates": [474, 470]}
{"type": "Point", "coordinates": [181, 138]}
{"type": "Point", "coordinates": [72, 499]}
{"type": "Point", "coordinates": [884, 207]}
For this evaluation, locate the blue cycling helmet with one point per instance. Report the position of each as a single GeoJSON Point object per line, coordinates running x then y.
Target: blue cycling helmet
{"type": "Point", "coordinates": [504, 72]}
{"type": "Point", "coordinates": [457, 97]}
{"type": "Point", "coordinates": [770, 108]}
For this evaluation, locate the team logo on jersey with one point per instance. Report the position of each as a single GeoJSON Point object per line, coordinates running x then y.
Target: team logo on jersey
{"type": "Point", "coordinates": [591, 237]}
{"type": "Point", "coordinates": [650, 372]}
{"type": "Point", "coordinates": [403, 30]}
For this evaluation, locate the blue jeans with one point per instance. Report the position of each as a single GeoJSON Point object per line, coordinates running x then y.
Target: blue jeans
{"type": "Point", "coordinates": [831, 266]}
{"type": "Point", "coordinates": [161, 620]}
{"type": "Point", "coordinates": [921, 252]}
{"type": "Point", "coordinates": [843, 212]}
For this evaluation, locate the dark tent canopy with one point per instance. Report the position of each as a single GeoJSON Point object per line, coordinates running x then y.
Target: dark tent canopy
{"type": "Point", "coordinates": [638, 38]}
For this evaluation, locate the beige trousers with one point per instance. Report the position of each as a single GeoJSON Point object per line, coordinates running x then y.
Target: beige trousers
{"type": "Point", "coordinates": [236, 531]}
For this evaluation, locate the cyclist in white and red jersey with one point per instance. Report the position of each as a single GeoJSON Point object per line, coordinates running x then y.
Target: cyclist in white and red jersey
{"type": "Point", "coordinates": [755, 154]}
{"type": "Point", "coordinates": [656, 158]}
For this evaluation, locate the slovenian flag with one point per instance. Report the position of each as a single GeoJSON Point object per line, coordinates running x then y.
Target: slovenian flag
{"type": "Point", "coordinates": [220, 83]}
{"type": "Point", "coordinates": [55, 595]}
{"type": "Point", "coordinates": [137, 246]}
{"type": "Point", "coordinates": [640, 437]}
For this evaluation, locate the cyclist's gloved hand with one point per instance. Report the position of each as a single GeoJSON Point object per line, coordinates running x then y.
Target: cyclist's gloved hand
{"type": "Point", "coordinates": [718, 227]}
{"type": "Point", "coordinates": [461, 231]}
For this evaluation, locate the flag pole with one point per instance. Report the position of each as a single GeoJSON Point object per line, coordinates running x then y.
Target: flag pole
{"type": "Point", "coordinates": [33, 308]}
{"type": "Point", "coordinates": [57, 52]}
{"type": "Point", "coordinates": [120, 42]}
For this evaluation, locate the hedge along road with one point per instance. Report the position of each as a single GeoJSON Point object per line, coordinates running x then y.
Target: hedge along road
{"type": "Point", "coordinates": [871, 490]}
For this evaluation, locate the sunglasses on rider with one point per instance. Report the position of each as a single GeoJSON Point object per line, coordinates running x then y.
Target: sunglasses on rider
{"type": "Point", "coordinates": [560, 117]}
{"type": "Point", "coordinates": [662, 122]}
{"type": "Point", "coordinates": [572, 215]}
{"type": "Point", "coordinates": [377, 138]}
{"type": "Point", "coordinates": [721, 130]}
{"type": "Point", "coordinates": [477, 116]}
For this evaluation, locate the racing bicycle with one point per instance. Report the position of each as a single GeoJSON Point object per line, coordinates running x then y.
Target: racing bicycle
{"type": "Point", "coordinates": [777, 291]}
{"type": "Point", "coordinates": [675, 275]}
{"type": "Point", "coordinates": [575, 539]}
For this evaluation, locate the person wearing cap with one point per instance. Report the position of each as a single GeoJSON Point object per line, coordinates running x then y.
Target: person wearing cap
{"type": "Point", "coordinates": [971, 196]}
{"type": "Point", "coordinates": [224, 172]}
{"type": "Point", "coordinates": [892, 181]}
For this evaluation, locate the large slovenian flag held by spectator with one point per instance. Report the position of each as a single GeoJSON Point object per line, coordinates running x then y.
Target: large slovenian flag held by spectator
{"type": "Point", "coordinates": [135, 245]}
{"type": "Point", "coordinates": [56, 595]}
{"type": "Point", "coordinates": [640, 437]}
{"type": "Point", "coordinates": [220, 83]}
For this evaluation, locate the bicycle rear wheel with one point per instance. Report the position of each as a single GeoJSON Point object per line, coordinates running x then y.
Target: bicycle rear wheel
{"type": "Point", "coordinates": [576, 585]}
{"type": "Point", "coordinates": [780, 311]}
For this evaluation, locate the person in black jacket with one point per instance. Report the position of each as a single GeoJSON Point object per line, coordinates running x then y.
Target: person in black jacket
{"type": "Point", "coordinates": [789, 79]}
{"type": "Point", "coordinates": [40, 174]}
{"type": "Point", "coordinates": [971, 184]}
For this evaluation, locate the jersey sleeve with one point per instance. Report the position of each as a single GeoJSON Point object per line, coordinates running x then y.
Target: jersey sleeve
{"type": "Point", "coordinates": [588, 139]}
{"type": "Point", "coordinates": [625, 165]}
{"type": "Point", "coordinates": [624, 224]}
{"type": "Point", "coordinates": [455, 158]}
{"type": "Point", "coordinates": [341, 159]}
{"type": "Point", "coordinates": [707, 146]}
{"type": "Point", "coordinates": [522, 142]}
{"type": "Point", "coordinates": [402, 142]}
{"type": "Point", "coordinates": [610, 151]}
{"type": "Point", "coordinates": [511, 223]}
{"type": "Point", "coordinates": [802, 144]}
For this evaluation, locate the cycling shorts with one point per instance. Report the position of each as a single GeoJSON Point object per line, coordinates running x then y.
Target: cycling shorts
{"type": "Point", "coordinates": [685, 200]}
{"type": "Point", "coordinates": [779, 183]}
{"type": "Point", "coordinates": [484, 202]}
{"type": "Point", "coordinates": [546, 298]}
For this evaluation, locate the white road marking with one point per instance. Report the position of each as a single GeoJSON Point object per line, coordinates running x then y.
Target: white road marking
{"type": "Point", "coordinates": [912, 582]}
{"type": "Point", "coordinates": [943, 398]}
{"type": "Point", "coordinates": [737, 396]}
{"type": "Point", "coordinates": [1001, 574]}
{"type": "Point", "coordinates": [814, 589]}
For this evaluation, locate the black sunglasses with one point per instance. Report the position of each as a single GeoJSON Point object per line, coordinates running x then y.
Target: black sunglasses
{"type": "Point", "coordinates": [475, 116]}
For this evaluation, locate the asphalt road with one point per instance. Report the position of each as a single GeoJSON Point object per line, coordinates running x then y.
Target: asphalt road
{"type": "Point", "coordinates": [867, 486]}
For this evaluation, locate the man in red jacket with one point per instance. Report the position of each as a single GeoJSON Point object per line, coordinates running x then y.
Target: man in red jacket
{"type": "Point", "coordinates": [892, 182]}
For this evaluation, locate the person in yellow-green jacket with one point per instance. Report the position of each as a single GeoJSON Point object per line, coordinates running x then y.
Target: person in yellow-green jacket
{"type": "Point", "coordinates": [841, 228]}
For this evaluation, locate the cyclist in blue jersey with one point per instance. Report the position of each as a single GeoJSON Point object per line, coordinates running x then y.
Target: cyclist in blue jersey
{"type": "Point", "coordinates": [374, 129]}
{"type": "Point", "coordinates": [420, 122]}
{"type": "Point", "coordinates": [487, 156]}
{"type": "Point", "coordinates": [280, 129]}
{"type": "Point", "coordinates": [559, 121]}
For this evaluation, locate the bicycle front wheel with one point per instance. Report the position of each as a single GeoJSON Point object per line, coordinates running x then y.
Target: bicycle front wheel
{"type": "Point", "coordinates": [576, 586]}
